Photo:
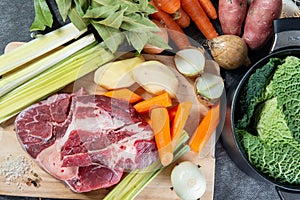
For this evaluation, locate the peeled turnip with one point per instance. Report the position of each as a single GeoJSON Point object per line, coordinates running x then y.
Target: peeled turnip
{"type": "Point", "coordinates": [155, 77]}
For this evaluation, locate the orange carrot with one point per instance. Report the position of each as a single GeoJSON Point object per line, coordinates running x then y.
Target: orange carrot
{"type": "Point", "coordinates": [199, 17]}
{"type": "Point", "coordinates": [183, 111]}
{"type": "Point", "coordinates": [161, 127]}
{"type": "Point", "coordinates": [205, 129]}
{"type": "Point", "coordinates": [182, 18]}
{"type": "Point", "coordinates": [124, 94]}
{"type": "Point", "coordinates": [172, 112]}
{"type": "Point", "coordinates": [175, 32]}
{"type": "Point", "coordinates": [168, 6]}
{"type": "Point", "coordinates": [163, 100]}
{"type": "Point", "coordinates": [209, 8]}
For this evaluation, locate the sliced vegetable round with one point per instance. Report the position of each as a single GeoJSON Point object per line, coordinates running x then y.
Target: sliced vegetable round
{"type": "Point", "coordinates": [209, 88]}
{"type": "Point", "coordinates": [190, 62]}
{"type": "Point", "coordinates": [188, 181]}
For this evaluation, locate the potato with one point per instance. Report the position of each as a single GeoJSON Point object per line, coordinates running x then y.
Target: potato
{"type": "Point", "coordinates": [232, 14]}
{"type": "Point", "coordinates": [155, 78]}
{"type": "Point", "coordinates": [259, 21]}
{"type": "Point", "coordinates": [117, 74]}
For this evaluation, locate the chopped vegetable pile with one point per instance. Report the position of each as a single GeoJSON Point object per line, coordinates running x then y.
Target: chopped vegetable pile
{"type": "Point", "coordinates": [270, 103]}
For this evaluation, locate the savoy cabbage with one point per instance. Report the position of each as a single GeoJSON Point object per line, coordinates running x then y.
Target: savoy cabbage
{"type": "Point", "coordinates": [269, 129]}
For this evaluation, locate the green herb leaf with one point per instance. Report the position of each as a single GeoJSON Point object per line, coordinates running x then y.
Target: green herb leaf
{"type": "Point", "coordinates": [115, 20]}
{"type": "Point", "coordinates": [111, 37]}
{"type": "Point", "coordinates": [77, 20]}
{"type": "Point", "coordinates": [43, 16]}
{"type": "Point", "coordinates": [138, 23]}
{"type": "Point", "coordinates": [64, 7]}
{"type": "Point", "coordinates": [157, 41]}
{"type": "Point", "coordinates": [137, 39]}
{"type": "Point", "coordinates": [100, 11]}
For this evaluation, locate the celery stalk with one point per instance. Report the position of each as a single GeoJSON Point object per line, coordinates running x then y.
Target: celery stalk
{"type": "Point", "coordinates": [38, 47]}
{"type": "Point", "coordinates": [19, 77]}
{"type": "Point", "coordinates": [53, 79]}
{"type": "Point", "coordinates": [133, 183]}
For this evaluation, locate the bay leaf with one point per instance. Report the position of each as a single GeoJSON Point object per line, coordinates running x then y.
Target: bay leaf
{"type": "Point", "coordinates": [43, 16]}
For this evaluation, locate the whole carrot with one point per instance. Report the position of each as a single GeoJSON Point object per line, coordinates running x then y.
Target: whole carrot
{"type": "Point", "coordinates": [174, 30]}
{"type": "Point", "coordinates": [209, 8]}
{"type": "Point", "coordinates": [199, 17]}
{"type": "Point", "coordinates": [161, 127]}
{"type": "Point", "coordinates": [168, 6]}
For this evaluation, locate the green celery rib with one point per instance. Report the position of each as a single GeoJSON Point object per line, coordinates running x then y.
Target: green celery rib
{"type": "Point", "coordinates": [53, 79]}
{"type": "Point", "coordinates": [133, 183]}
{"type": "Point", "coordinates": [38, 47]}
{"type": "Point", "coordinates": [19, 77]}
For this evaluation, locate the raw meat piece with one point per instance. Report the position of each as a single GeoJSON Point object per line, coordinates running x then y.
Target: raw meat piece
{"type": "Point", "coordinates": [87, 141]}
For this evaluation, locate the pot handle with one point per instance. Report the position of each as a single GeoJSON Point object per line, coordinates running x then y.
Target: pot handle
{"type": "Point", "coordinates": [287, 33]}
{"type": "Point", "coordinates": [287, 194]}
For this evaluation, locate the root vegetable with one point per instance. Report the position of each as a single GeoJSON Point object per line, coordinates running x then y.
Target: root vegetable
{"type": "Point", "coordinates": [168, 6]}
{"type": "Point", "coordinates": [232, 14]}
{"type": "Point", "coordinates": [229, 51]}
{"type": "Point", "coordinates": [190, 62]}
{"type": "Point", "coordinates": [209, 88]}
{"type": "Point", "coordinates": [199, 17]}
{"type": "Point", "coordinates": [174, 30]}
{"type": "Point", "coordinates": [259, 21]}
{"type": "Point", "coordinates": [151, 49]}
{"type": "Point", "coordinates": [117, 74]}
{"type": "Point", "coordinates": [181, 18]}
{"type": "Point", "coordinates": [155, 78]}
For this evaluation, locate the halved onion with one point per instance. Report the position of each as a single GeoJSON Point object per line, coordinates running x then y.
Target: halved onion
{"type": "Point", "coordinates": [190, 62]}
{"type": "Point", "coordinates": [188, 181]}
{"type": "Point", "coordinates": [209, 88]}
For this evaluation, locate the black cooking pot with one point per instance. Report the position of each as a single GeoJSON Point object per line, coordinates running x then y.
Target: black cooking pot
{"type": "Point", "coordinates": [286, 42]}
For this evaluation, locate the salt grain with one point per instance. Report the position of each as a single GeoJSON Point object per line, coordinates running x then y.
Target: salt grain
{"type": "Point", "coordinates": [15, 169]}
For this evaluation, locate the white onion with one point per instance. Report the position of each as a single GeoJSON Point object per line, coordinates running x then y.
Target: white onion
{"type": "Point", "coordinates": [190, 62]}
{"type": "Point", "coordinates": [188, 181]}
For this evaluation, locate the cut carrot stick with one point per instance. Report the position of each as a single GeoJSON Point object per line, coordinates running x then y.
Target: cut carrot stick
{"type": "Point", "coordinates": [161, 127]}
{"type": "Point", "coordinates": [124, 94]}
{"type": "Point", "coordinates": [168, 6]}
{"type": "Point", "coordinates": [181, 18]}
{"type": "Point", "coordinates": [175, 32]}
{"type": "Point", "coordinates": [172, 112]}
{"type": "Point", "coordinates": [162, 100]}
{"type": "Point", "coordinates": [199, 17]}
{"type": "Point", "coordinates": [209, 8]}
{"type": "Point", "coordinates": [183, 111]}
{"type": "Point", "coordinates": [205, 129]}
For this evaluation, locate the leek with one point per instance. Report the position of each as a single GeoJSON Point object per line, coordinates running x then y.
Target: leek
{"type": "Point", "coordinates": [38, 47]}
{"type": "Point", "coordinates": [19, 77]}
{"type": "Point", "coordinates": [53, 79]}
{"type": "Point", "coordinates": [136, 180]}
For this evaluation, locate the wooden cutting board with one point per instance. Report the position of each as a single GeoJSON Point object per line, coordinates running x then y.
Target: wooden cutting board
{"type": "Point", "coordinates": [159, 188]}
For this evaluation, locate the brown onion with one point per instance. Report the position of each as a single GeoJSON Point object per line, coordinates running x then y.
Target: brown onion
{"type": "Point", "coordinates": [229, 51]}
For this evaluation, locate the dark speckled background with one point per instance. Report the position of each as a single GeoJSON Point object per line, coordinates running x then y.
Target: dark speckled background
{"type": "Point", "coordinates": [16, 17]}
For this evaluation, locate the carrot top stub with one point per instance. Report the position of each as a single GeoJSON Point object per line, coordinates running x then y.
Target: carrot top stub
{"type": "Point", "coordinates": [205, 129]}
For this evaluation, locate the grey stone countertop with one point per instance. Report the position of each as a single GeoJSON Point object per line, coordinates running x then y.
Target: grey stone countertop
{"type": "Point", "coordinates": [231, 183]}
